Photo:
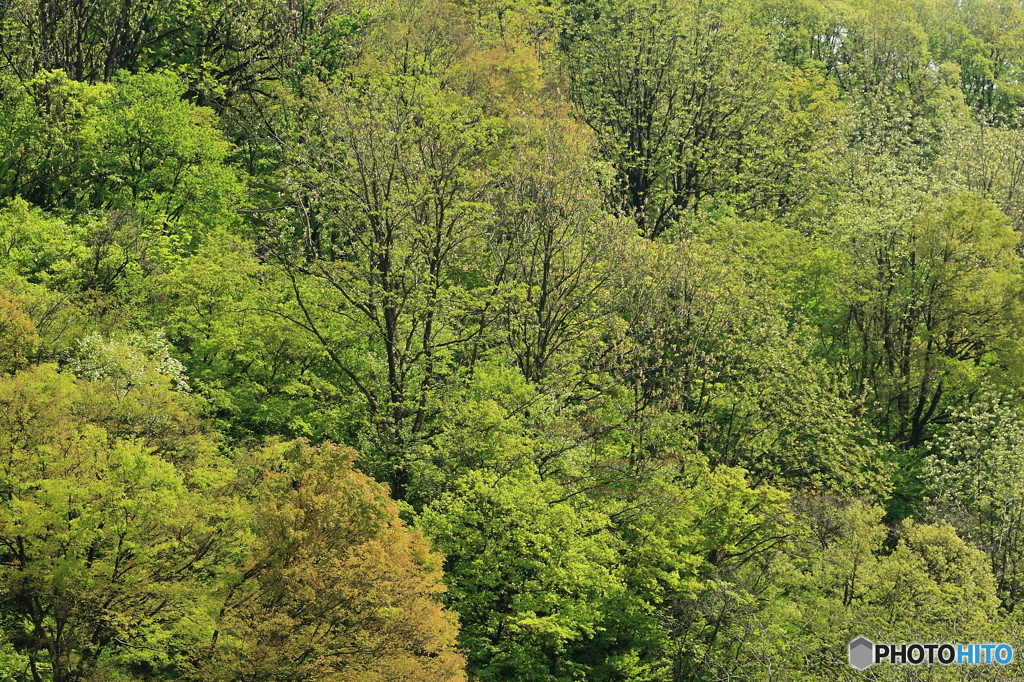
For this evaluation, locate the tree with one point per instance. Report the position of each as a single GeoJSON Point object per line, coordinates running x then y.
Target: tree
{"type": "Point", "coordinates": [974, 482]}
{"type": "Point", "coordinates": [938, 308]}
{"type": "Point", "coordinates": [714, 545]}
{"type": "Point", "coordinates": [985, 158]}
{"type": "Point", "coordinates": [131, 548]}
{"type": "Point", "coordinates": [691, 108]}
{"type": "Point", "coordinates": [225, 50]}
{"type": "Point", "coordinates": [551, 242]}
{"type": "Point", "coordinates": [18, 335]}
{"type": "Point", "coordinates": [530, 576]}
{"type": "Point", "coordinates": [156, 154]}
{"type": "Point", "coordinates": [930, 585]}
{"type": "Point", "coordinates": [707, 365]}
{"type": "Point", "coordinates": [107, 547]}
{"type": "Point", "coordinates": [382, 245]}
{"type": "Point", "coordinates": [42, 134]}
{"type": "Point", "coordinates": [985, 39]}
{"type": "Point", "coordinates": [841, 574]}
{"type": "Point", "coordinates": [134, 146]}
{"type": "Point", "coordinates": [122, 559]}
{"type": "Point", "coordinates": [131, 176]}
{"type": "Point", "coordinates": [335, 588]}
{"type": "Point", "coordinates": [258, 376]}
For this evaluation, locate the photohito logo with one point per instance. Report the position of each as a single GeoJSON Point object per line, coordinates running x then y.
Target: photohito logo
{"type": "Point", "coordinates": [864, 653]}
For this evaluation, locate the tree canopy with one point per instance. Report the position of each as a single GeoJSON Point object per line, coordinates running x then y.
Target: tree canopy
{"type": "Point", "coordinates": [518, 341]}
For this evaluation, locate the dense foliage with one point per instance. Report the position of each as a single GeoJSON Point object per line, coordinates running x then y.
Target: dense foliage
{"type": "Point", "coordinates": [679, 340]}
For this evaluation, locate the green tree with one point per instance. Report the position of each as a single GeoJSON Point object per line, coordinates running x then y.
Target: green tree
{"type": "Point", "coordinates": [552, 242]}
{"type": "Point", "coordinates": [689, 104]}
{"type": "Point", "coordinates": [258, 376]}
{"type": "Point", "coordinates": [108, 547]}
{"type": "Point", "coordinates": [974, 482]}
{"type": "Point", "coordinates": [713, 545]}
{"type": "Point", "coordinates": [985, 39]}
{"type": "Point", "coordinates": [225, 50]}
{"type": "Point", "coordinates": [932, 584]}
{"type": "Point", "coordinates": [132, 549]}
{"type": "Point", "coordinates": [18, 335]}
{"type": "Point", "coordinates": [134, 146]}
{"type": "Point", "coordinates": [43, 133]}
{"type": "Point", "coordinates": [530, 576]}
{"type": "Point", "coordinates": [937, 309]}
{"type": "Point", "coordinates": [707, 365]}
{"type": "Point", "coordinates": [382, 246]}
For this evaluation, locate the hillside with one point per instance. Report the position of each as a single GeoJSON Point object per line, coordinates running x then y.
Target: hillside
{"type": "Point", "coordinates": [508, 340]}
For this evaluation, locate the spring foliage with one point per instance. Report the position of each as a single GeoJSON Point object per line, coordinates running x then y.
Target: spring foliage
{"type": "Point", "coordinates": [679, 340]}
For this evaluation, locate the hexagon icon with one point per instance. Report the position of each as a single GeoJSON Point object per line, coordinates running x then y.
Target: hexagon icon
{"type": "Point", "coordinates": [862, 653]}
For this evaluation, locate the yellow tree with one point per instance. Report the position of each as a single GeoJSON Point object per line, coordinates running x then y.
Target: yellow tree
{"type": "Point", "coordinates": [337, 589]}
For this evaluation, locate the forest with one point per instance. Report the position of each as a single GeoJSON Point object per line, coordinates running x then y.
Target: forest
{"type": "Point", "coordinates": [509, 340]}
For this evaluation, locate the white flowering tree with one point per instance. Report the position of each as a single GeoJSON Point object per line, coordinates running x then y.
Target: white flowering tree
{"type": "Point", "coordinates": [976, 475]}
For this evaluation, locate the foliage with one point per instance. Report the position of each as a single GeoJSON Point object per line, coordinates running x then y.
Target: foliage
{"type": "Point", "coordinates": [528, 574]}
{"type": "Point", "coordinates": [686, 101]}
{"type": "Point", "coordinates": [945, 287]}
{"type": "Point", "coordinates": [974, 483]}
{"type": "Point", "coordinates": [686, 332]}
{"type": "Point", "coordinates": [107, 546]}
{"type": "Point", "coordinates": [335, 587]}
